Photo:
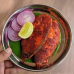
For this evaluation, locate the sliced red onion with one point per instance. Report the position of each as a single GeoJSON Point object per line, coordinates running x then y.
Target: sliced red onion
{"type": "Point", "coordinates": [15, 15]}
{"type": "Point", "coordinates": [26, 16]}
{"type": "Point", "coordinates": [6, 36]}
{"type": "Point", "coordinates": [26, 9]}
{"type": "Point", "coordinates": [12, 34]}
{"type": "Point", "coordinates": [15, 25]}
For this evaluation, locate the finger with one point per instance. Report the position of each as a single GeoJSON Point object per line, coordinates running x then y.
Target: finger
{"type": "Point", "coordinates": [5, 54]}
{"type": "Point", "coordinates": [2, 68]}
{"type": "Point", "coordinates": [0, 39]}
{"type": "Point", "coordinates": [13, 70]}
{"type": "Point", "coordinates": [8, 64]}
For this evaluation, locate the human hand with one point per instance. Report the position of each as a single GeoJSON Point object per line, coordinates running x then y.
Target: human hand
{"type": "Point", "coordinates": [7, 67]}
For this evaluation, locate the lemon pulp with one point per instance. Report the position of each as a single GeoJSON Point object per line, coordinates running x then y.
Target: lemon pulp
{"type": "Point", "coordinates": [26, 30]}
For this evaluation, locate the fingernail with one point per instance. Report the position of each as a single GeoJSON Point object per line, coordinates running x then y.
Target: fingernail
{"type": "Point", "coordinates": [8, 50]}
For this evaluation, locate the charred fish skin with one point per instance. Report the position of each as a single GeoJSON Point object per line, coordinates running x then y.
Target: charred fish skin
{"type": "Point", "coordinates": [49, 46]}
{"type": "Point", "coordinates": [30, 45]}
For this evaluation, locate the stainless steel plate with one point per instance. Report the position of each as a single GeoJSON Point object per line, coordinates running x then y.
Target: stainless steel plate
{"type": "Point", "coordinates": [65, 37]}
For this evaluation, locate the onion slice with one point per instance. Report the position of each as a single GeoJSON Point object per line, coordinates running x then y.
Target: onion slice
{"type": "Point", "coordinates": [15, 25]}
{"type": "Point", "coordinates": [16, 14]}
{"type": "Point", "coordinates": [6, 36]}
{"type": "Point", "coordinates": [26, 9]}
{"type": "Point", "coordinates": [12, 34]}
{"type": "Point", "coordinates": [24, 17]}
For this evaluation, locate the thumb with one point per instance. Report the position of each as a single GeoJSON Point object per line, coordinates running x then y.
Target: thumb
{"type": "Point", "coordinates": [5, 54]}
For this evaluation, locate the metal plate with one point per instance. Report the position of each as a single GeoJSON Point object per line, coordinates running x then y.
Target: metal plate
{"type": "Point", "coordinates": [65, 37]}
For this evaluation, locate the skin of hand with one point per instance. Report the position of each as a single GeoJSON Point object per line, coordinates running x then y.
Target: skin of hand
{"type": "Point", "coordinates": [7, 67]}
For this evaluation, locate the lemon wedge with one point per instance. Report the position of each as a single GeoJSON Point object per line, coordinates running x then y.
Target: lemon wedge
{"type": "Point", "coordinates": [26, 30]}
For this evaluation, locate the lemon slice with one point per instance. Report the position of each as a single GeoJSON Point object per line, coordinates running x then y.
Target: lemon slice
{"type": "Point", "coordinates": [26, 30]}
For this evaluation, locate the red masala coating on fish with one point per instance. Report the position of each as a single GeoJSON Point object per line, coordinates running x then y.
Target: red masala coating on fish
{"type": "Point", "coordinates": [49, 46]}
{"type": "Point", "coordinates": [41, 25]}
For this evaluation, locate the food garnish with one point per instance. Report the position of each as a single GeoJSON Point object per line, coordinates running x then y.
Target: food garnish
{"type": "Point", "coordinates": [24, 17]}
{"type": "Point", "coordinates": [12, 34]}
{"type": "Point", "coordinates": [15, 25]}
{"type": "Point", "coordinates": [26, 30]}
